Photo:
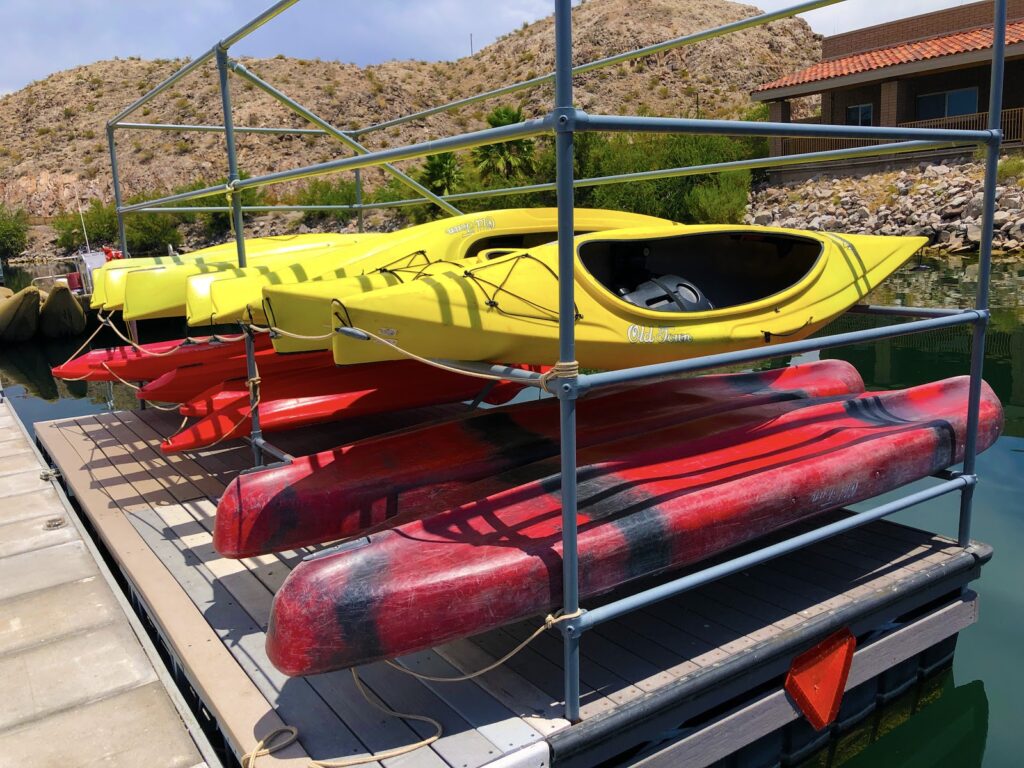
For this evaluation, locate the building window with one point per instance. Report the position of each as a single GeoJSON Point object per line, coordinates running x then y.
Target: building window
{"type": "Point", "coordinates": [962, 101]}
{"type": "Point", "coordinates": [859, 114]}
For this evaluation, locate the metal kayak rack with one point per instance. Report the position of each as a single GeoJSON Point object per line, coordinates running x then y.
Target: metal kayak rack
{"type": "Point", "coordinates": [564, 121]}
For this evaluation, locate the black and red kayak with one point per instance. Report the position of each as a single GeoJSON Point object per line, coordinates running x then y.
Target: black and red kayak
{"type": "Point", "coordinates": [393, 478]}
{"type": "Point", "coordinates": [338, 394]}
{"type": "Point", "coordinates": [667, 499]}
{"type": "Point", "coordinates": [150, 361]}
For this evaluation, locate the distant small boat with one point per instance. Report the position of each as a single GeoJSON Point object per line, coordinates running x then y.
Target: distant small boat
{"type": "Point", "coordinates": [19, 315]}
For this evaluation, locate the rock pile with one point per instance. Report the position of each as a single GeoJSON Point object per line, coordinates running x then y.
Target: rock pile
{"type": "Point", "coordinates": [942, 202]}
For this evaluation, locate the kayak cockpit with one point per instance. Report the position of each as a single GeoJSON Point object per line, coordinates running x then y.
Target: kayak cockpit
{"type": "Point", "coordinates": [701, 271]}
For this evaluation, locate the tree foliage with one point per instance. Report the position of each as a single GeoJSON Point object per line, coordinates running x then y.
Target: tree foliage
{"type": "Point", "coordinates": [13, 231]}
{"type": "Point", "coordinates": [509, 161]}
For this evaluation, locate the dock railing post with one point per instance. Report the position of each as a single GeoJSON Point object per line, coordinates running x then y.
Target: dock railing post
{"type": "Point", "coordinates": [115, 176]}
{"type": "Point", "coordinates": [564, 115]}
{"type": "Point", "coordinates": [995, 109]}
{"type": "Point", "coordinates": [237, 225]}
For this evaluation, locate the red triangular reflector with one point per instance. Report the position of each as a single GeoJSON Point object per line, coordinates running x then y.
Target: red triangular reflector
{"type": "Point", "coordinates": [817, 678]}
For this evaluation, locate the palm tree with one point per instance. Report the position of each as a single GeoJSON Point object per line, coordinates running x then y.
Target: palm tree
{"type": "Point", "coordinates": [442, 174]}
{"type": "Point", "coordinates": [510, 160]}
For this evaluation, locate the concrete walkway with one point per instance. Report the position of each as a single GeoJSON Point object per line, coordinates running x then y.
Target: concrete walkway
{"type": "Point", "coordinates": [76, 686]}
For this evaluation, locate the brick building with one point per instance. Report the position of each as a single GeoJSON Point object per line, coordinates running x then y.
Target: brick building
{"type": "Point", "coordinates": [930, 70]}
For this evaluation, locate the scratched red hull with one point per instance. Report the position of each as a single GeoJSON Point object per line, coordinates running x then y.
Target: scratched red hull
{"type": "Point", "coordinates": [347, 393]}
{"type": "Point", "coordinates": [393, 478]}
{"type": "Point", "coordinates": [670, 499]}
{"type": "Point", "coordinates": [129, 363]}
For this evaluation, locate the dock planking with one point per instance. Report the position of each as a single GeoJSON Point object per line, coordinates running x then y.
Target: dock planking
{"type": "Point", "coordinates": [76, 685]}
{"type": "Point", "coordinates": [155, 514]}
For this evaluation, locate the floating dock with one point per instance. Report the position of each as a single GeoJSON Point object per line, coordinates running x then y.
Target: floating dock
{"type": "Point", "coordinates": [689, 681]}
{"type": "Point", "coordinates": [80, 682]}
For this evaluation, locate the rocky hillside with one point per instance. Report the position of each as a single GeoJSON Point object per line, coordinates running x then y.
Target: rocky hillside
{"type": "Point", "coordinates": [52, 138]}
{"type": "Point", "coordinates": [942, 202]}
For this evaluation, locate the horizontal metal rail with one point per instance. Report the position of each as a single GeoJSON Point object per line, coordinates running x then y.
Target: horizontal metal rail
{"type": "Point", "coordinates": [601, 614]}
{"type": "Point", "coordinates": [620, 58]}
{"type": "Point", "coordinates": [692, 170]}
{"type": "Point", "coordinates": [217, 128]}
{"type": "Point", "coordinates": [874, 309]}
{"type": "Point", "coordinates": [664, 173]}
{"type": "Point", "coordinates": [588, 381]}
{"type": "Point", "coordinates": [619, 124]}
{"type": "Point", "coordinates": [246, 29]}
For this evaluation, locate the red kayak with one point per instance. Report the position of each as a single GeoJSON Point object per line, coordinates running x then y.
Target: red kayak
{"type": "Point", "coordinates": [398, 477]}
{"type": "Point", "coordinates": [348, 393]}
{"type": "Point", "coordinates": [669, 499]}
{"type": "Point", "coordinates": [159, 358]}
{"type": "Point", "coordinates": [193, 382]}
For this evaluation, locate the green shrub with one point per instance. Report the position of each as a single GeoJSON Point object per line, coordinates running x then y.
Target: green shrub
{"type": "Point", "coordinates": [671, 198]}
{"type": "Point", "coordinates": [100, 224]}
{"type": "Point", "coordinates": [147, 233]}
{"type": "Point", "coordinates": [1010, 168]}
{"type": "Point", "coordinates": [328, 192]}
{"type": "Point", "coordinates": [722, 199]}
{"type": "Point", "coordinates": [13, 231]}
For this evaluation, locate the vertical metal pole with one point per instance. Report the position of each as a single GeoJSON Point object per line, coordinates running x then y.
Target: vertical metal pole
{"type": "Point", "coordinates": [565, 119]}
{"type": "Point", "coordinates": [236, 217]}
{"type": "Point", "coordinates": [116, 177]}
{"type": "Point", "coordinates": [995, 109]}
{"type": "Point", "coordinates": [359, 196]}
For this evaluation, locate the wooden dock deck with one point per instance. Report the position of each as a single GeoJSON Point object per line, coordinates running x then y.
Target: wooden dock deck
{"type": "Point", "coordinates": [76, 685]}
{"type": "Point", "coordinates": [714, 657]}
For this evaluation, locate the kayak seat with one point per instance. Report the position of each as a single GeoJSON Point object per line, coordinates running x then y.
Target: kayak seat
{"type": "Point", "coordinates": [669, 293]}
{"type": "Point", "coordinates": [701, 271]}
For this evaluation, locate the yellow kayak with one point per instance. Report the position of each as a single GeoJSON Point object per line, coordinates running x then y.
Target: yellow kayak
{"type": "Point", "coordinates": [162, 291]}
{"type": "Point", "coordinates": [302, 309]}
{"type": "Point", "coordinates": [110, 280]}
{"type": "Point", "coordinates": [643, 296]}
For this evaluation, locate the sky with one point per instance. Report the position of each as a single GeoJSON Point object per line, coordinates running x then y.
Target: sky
{"type": "Point", "coordinates": [45, 36]}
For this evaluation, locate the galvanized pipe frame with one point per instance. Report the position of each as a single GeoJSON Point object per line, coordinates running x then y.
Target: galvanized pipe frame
{"type": "Point", "coordinates": [565, 120]}
{"type": "Point", "coordinates": [965, 482]}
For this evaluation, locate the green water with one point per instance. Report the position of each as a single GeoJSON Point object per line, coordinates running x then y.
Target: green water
{"type": "Point", "coordinates": [973, 717]}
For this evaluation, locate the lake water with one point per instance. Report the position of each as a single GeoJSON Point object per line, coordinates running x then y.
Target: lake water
{"type": "Point", "coordinates": [970, 717]}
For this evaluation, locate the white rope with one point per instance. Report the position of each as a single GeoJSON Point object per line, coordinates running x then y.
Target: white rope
{"type": "Point", "coordinates": [266, 745]}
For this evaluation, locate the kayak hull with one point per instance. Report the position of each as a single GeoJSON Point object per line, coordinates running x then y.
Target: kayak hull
{"type": "Point", "coordinates": [387, 480]}
{"type": "Point", "coordinates": [346, 394]}
{"type": "Point", "coordinates": [650, 510]}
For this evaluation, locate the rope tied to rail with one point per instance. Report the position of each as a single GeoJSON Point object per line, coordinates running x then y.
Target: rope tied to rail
{"type": "Point", "coordinates": [560, 370]}
{"type": "Point", "coordinates": [266, 745]}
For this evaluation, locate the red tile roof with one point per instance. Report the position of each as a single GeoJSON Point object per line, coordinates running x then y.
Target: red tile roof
{"type": "Point", "coordinates": [931, 48]}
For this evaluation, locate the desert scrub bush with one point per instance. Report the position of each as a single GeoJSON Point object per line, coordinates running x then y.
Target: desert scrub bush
{"type": "Point", "coordinates": [147, 233]}
{"type": "Point", "coordinates": [13, 231]}
{"type": "Point", "coordinates": [100, 223]}
{"type": "Point", "coordinates": [327, 192]}
{"type": "Point", "coordinates": [1011, 167]}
